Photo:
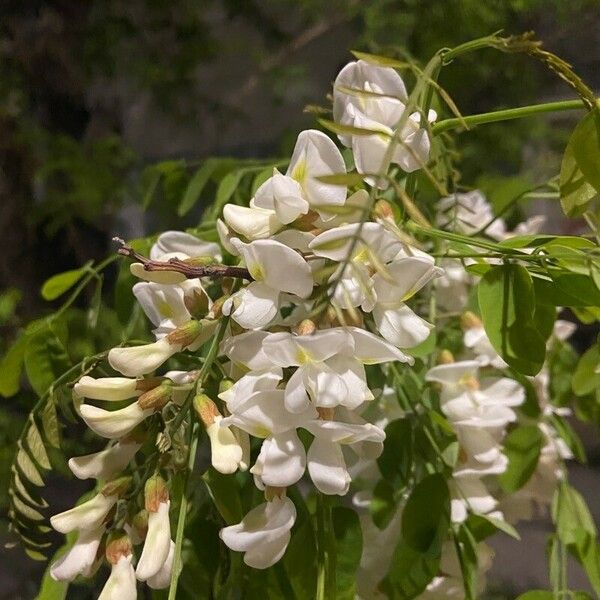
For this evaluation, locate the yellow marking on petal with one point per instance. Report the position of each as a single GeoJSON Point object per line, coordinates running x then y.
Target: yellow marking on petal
{"type": "Point", "coordinates": [303, 356]}
{"type": "Point", "coordinates": [299, 173]}
{"type": "Point", "coordinates": [256, 271]}
{"type": "Point", "coordinates": [165, 310]}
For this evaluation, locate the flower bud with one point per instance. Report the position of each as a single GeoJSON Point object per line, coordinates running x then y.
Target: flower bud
{"type": "Point", "coordinates": [116, 487]}
{"type": "Point", "coordinates": [139, 360]}
{"type": "Point", "coordinates": [469, 320]}
{"type": "Point", "coordinates": [196, 301]}
{"type": "Point", "coordinates": [118, 546]}
{"type": "Point", "coordinates": [216, 310]}
{"type": "Point", "coordinates": [185, 334]}
{"type": "Point", "coordinates": [163, 277]}
{"type": "Point", "coordinates": [224, 386]}
{"type": "Point", "coordinates": [383, 210]}
{"type": "Point", "coordinates": [306, 327]}
{"type": "Point", "coordinates": [139, 526]}
{"type": "Point", "coordinates": [155, 492]}
{"type": "Point", "coordinates": [156, 398]}
{"type": "Point", "coordinates": [206, 409]}
{"type": "Point", "coordinates": [445, 357]}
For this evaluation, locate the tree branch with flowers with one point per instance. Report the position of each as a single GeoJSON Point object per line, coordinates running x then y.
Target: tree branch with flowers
{"type": "Point", "coordinates": [351, 388]}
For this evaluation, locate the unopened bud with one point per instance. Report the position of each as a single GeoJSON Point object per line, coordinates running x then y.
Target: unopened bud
{"type": "Point", "coordinates": [325, 413]}
{"type": "Point", "coordinates": [206, 409]}
{"type": "Point", "coordinates": [196, 301]}
{"type": "Point", "coordinates": [148, 383]}
{"type": "Point", "coordinates": [118, 546]}
{"type": "Point", "coordinates": [116, 487]}
{"type": "Point", "coordinates": [216, 310]}
{"type": "Point", "coordinates": [469, 320]}
{"type": "Point", "coordinates": [445, 357]}
{"type": "Point", "coordinates": [155, 492]}
{"type": "Point", "coordinates": [225, 385]}
{"type": "Point", "coordinates": [227, 284]}
{"type": "Point", "coordinates": [306, 327]}
{"type": "Point", "coordinates": [185, 334]}
{"type": "Point", "coordinates": [274, 492]}
{"type": "Point", "coordinates": [139, 524]}
{"type": "Point", "coordinates": [156, 398]}
{"type": "Point", "coordinates": [383, 210]}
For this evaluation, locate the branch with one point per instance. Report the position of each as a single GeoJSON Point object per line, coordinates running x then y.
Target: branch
{"type": "Point", "coordinates": [190, 271]}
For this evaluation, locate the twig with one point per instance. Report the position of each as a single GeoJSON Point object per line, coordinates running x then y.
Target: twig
{"type": "Point", "coordinates": [181, 266]}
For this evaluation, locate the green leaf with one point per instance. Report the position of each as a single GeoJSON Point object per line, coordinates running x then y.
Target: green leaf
{"type": "Point", "coordinates": [383, 505]}
{"type": "Point", "coordinates": [150, 180]}
{"type": "Point", "coordinates": [426, 515]}
{"type": "Point", "coordinates": [11, 367]}
{"type": "Point", "coordinates": [27, 468]}
{"type": "Point", "coordinates": [300, 562]}
{"type": "Point", "coordinates": [58, 284]}
{"type": "Point", "coordinates": [580, 168]}
{"type": "Point", "coordinates": [225, 492]}
{"type": "Point", "coordinates": [507, 303]}
{"type": "Point", "coordinates": [35, 445]}
{"type": "Point", "coordinates": [45, 358]}
{"type": "Point", "coordinates": [536, 595]}
{"type": "Point", "coordinates": [227, 187]}
{"type": "Point", "coordinates": [409, 572]}
{"type": "Point", "coordinates": [395, 461]}
{"type": "Point", "coordinates": [350, 130]}
{"type": "Point", "coordinates": [567, 289]}
{"type": "Point", "coordinates": [380, 61]}
{"type": "Point", "coordinates": [522, 446]}
{"type": "Point", "coordinates": [585, 379]}
{"type": "Point", "coordinates": [196, 185]}
{"type": "Point", "coordinates": [348, 537]}
{"type": "Point", "coordinates": [484, 526]}
{"type": "Point", "coordinates": [568, 435]}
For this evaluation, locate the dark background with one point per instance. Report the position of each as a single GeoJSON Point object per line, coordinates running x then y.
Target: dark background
{"type": "Point", "coordinates": [91, 93]}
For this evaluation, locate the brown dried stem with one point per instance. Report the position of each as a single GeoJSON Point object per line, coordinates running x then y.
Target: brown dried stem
{"type": "Point", "coordinates": [190, 271]}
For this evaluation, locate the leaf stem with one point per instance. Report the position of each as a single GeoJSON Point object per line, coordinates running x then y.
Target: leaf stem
{"type": "Point", "coordinates": [507, 114]}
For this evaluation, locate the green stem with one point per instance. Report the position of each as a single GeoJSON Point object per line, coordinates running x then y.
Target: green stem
{"type": "Point", "coordinates": [507, 114]}
{"type": "Point", "coordinates": [321, 554]}
{"type": "Point", "coordinates": [177, 565]}
{"type": "Point", "coordinates": [193, 444]}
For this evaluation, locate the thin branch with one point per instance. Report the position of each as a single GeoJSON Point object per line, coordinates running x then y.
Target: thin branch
{"type": "Point", "coordinates": [177, 265]}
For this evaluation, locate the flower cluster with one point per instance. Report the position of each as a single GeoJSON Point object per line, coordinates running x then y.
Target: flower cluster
{"type": "Point", "coordinates": [309, 292]}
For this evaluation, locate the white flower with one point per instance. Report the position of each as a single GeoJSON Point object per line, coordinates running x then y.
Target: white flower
{"type": "Point", "coordinates": [315, 155]}
{"type": "Point", "coordinates": [162, 579]}
{"type": "Point", "coordinates": [253, 223]}
{"type": "Point", "coordinates": [184, 245]}
{"type": "Point", "coordinates": [402, 278]}
{"type": "Point", "coordinates": [121, 584]}
{"type": "Point", "coordinates": [325, 459]}
{"type": "Point", "coordinates": [468, 213]}
{"type": "Point", "coordinates": [282, 457]}
{"type": "Point", "coordinates": [106, 463]}
{"type": "Point", "coordinates": [246, 350]}
{"type": "Point", "coordinates": [88, 515]}
{"type": "Point", "coordinates": [80, 559]}
{"type": "Point", "coordinates": [157, 543]}
{"type": "Point", "coordinates": [226, 451]}
{"type": "Point", "coordinates": [263, 534]}
{"type": "Point", "coordinates": [469, 494]}
{"type": "Point", "coordinates": [114, 424]}
{"type": "Point", "coordinates": [163, 304]}
{"type": "Point", "coordinates": [282, 194]}
{"type": "Point", "coordinates": [107, 388]}
{"type": "Point", "coordinates": [452, 287]}
{"type": "Point", "coordinates": [372, 97]}
{"type": "Point", "coordinates": [360, 76]}
{"type": "Point", "coordinates": [275, 268]}
{"type": "Point", "coordinates": [139, 360]}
